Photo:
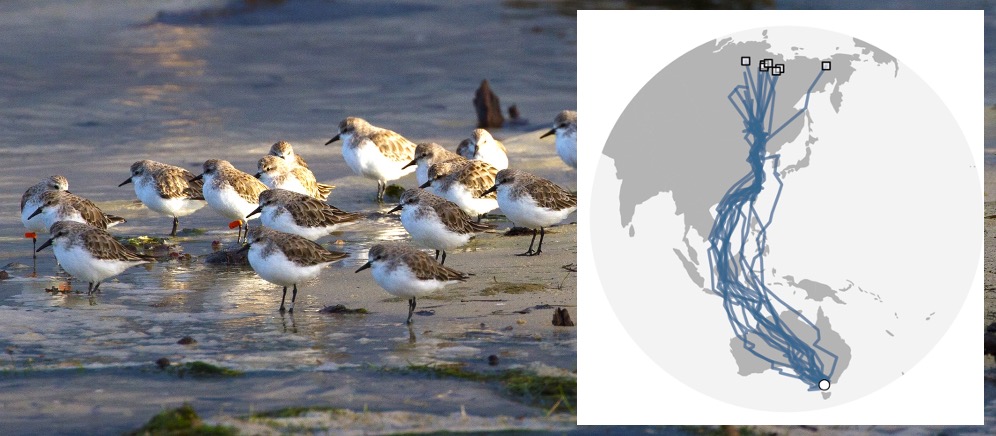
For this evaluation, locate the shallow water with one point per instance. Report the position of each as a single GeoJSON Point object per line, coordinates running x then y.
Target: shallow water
{"type": "Point", "coordinates": [91, 87]}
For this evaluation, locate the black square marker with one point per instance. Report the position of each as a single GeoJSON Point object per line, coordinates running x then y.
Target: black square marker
{"type": "Point", "coordinates": [826, 65]}
{"type": "Point", "coordinates": [745, 60]}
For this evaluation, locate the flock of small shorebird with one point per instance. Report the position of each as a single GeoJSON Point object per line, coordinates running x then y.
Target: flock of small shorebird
{"type": "Point", "coordinates": [443, 213]}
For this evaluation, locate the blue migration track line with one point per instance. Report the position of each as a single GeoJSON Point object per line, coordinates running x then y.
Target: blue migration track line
{"type": "Point", "coordinates": [736, 253]}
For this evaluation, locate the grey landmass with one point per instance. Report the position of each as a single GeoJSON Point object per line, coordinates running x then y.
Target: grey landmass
{"type": "Point", "coordinates": [840, 72]}
{"type": "Point", "coordinates": [680, 130]}
{"type": "Point", "coordinates": [690, 269]}
{"type": "Point", "coordinates": [692, 253]}
{"type": "Point", "coordinates": [815, 291]}
{"type": "Point", "coordinates": [748, 363]}
{"type": "Point", "coordinates": [874, 296]}
{"type": "Point", "coordinates": [831, 340]}
{"type": "Point", "coordinates": [877, 54]}
{"type": "Point", "coordinates": [801, 163]}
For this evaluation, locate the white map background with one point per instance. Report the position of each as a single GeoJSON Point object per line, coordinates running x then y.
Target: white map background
{"type": "Point", "coordinates": [875, 237]}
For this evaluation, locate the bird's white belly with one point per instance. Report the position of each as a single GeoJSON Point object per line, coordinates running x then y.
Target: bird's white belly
{"type": "Point", "coordinates": [176, 207]}
{"type": "Point", "coordinates": [567, 148]}
{"type": "Point", "coordinates": [401, 282]}
{"type": "Point", "coordinates": [292, 184]}
{"type": "Point", "coordinates": [473, 206]}
{"type": "Point", "coordinates": [227, 202]}
{"type": "Point", "coordinates": [367, 160]}
{"type": "Point", "coordinates": [36, 223]}
{"type": "Point", "coordinates": [284, 222]}
{"type": "Point", "coordinates": [494, 157]}
{"type": "Point", "coordinates": [82, 265]}
{"type": "Point", "coordinates": [428, 231]}
{"type": "Point", "coordinates": [523, 211]}
{"type": "Point", "coordinates": [50, 215]}
{"type": "Point", "coordinates": [278, 269]}
{"type": "Point", "coordinates": [422, 173]}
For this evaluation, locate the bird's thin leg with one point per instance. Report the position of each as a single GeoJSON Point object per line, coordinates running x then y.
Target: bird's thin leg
{"type": "Point", "coordinates": [437, 254]}
{"type": "Point", "coordinates": [176, 222]}
{"type": "Point", "coordinates": [89, 288]}
{"type": "Point", "coordinates": [539, 248]}
{"type": "Point", "coordinates": [34, 246]}
{"type": "Point", "coordinates": [444, 258]}
{"type": "Point", "coordinates": [293, 297]}
{"type": "Point", "coordinates": [529, 252]}
{"type": "Point", "coordinates": [282, 300]}
{"type": "Point", "coordinates": [381, 189]}
{"type": "Point", "coordinates": [411, 310]}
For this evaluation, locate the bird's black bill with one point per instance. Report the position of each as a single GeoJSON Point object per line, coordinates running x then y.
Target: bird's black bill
{"type": "Point", "coordinates": [334, 139]}
{"type": "Point", "coordinates": [35, 213]}
{"type": "Point", "coordinates": [426, 184]}
{"type": "Point", "coordinates": [244, 248]}
{"type": "Point", "coordinates": [365, 266]}
{"type": "Point", "coordinates": [46, 244]}
{"type": "Point", "coordinates": [255, 211]}
{"type": "Point", "coordinates": [127, 181]}
{"type": "Point", "coordinates": [413, 162]}
{"type": "Point", "coordinates": [552, 131]}
{"type": "Point", "coordinates": [396, 208]}
{"type": "Point", "coordinates": [257, 175]}
{"type": "Point", "coordinates": [199, 176]}
{"type": "Point", "coordinates": [490, 190]}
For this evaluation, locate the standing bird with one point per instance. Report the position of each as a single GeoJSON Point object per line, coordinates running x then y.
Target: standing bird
{"type": "Point", "coordinates": [482, 146]}
{"type": "Point", "coordinates": [565, 125]}
{"type": "Point", "coordinates": [64, 206]}
{"type": "Point", "coordinates": [465, 183]}
{"type": "Point", "coordinates": [428, 154]}
{"type": "Point", "coordinates": [373, 152]}
{"type": "Point", "coordinates": [166, 189]}
{"type": "Point", "coordinates": [404, 271]}
{"type": "Point", "coordinates": [435, 222]}
{"type": "Point", "coordinates": [90, 253]}
{"type": "Point", "coordinates": [464, 149]}
{"type": "Point", "coordinates": [275, 172]}
{"type": "Point", "coordinates": [300, 214]}
{"type": "Point", "coordinates": [532, 202]}
{"type": "Point", "coordinates": [285, 259]}
{"type": "Point", "coordinates": [284, 150]}
{"type": "Point", "coordinates": [31, 201]}
{"type": "Point", "coordinates": [230, 192]}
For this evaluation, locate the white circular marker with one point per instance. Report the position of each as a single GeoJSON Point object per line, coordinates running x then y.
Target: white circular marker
{"type": "Point", "coordinates": [824, 385]}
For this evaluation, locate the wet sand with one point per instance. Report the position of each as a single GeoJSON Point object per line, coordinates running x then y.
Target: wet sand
{"type": "Point", "coordinates": [464, 324]}
{"type": "Point", "coordinates": [76, 359]}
